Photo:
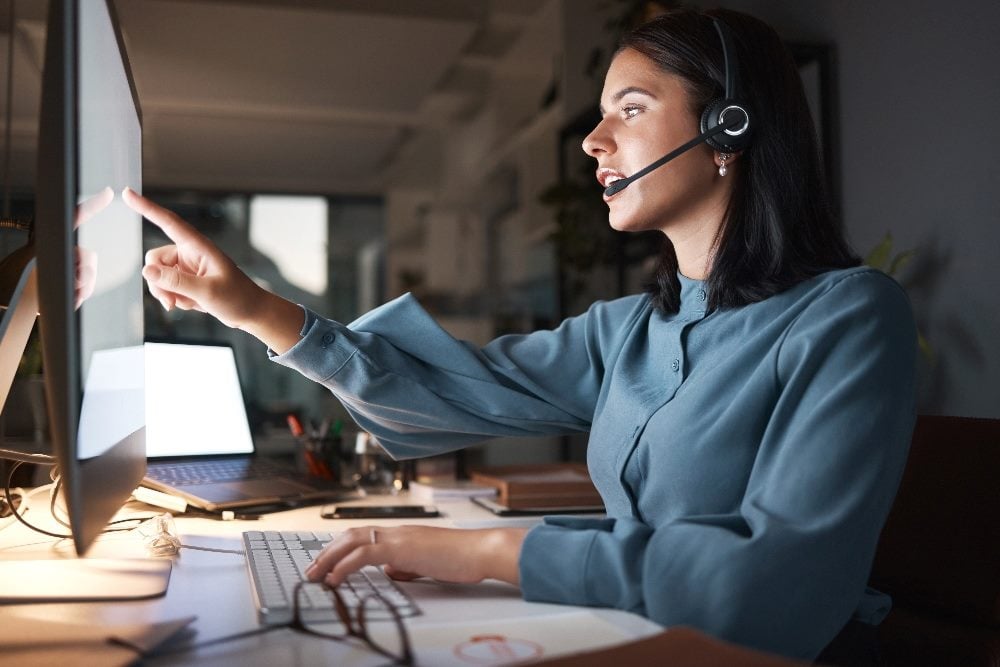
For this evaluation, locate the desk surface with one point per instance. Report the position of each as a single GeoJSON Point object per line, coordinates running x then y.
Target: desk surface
{"type": "Point", "coordinates": [215, 587]}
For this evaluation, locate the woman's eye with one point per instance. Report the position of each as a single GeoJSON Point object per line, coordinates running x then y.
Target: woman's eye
{"type": "Point", "coordinates": [631, 111]}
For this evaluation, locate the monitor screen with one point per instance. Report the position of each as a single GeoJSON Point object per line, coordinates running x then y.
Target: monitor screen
{"type": "Point", "coordinates": [215, 418]}
{"type": "Point", "coordinates": [89, 255]}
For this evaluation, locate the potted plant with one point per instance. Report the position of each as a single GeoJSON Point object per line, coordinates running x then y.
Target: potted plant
{"type": "Point", "coordinates": [883, 258]}
{"type": "Point", "coordinates": [25, 413]}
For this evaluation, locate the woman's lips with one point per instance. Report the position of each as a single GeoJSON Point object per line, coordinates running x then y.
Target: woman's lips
{"type": "Point", "coordinates": [607, 176]}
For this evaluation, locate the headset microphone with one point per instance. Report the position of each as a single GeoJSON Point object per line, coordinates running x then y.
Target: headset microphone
{"type": "Point", "coordinates": [725, 123]}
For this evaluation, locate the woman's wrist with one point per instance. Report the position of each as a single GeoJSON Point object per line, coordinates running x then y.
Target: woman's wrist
{"type": "Point", "coordinates": [275, 321]}
{"type": "Point", "coordinates": [500, 553]}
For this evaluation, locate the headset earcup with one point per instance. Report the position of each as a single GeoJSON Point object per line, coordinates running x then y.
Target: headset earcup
{"type": "Point", "coordinates": [723, 142]}
{"type": "Point", "coordinates": [709, 119]}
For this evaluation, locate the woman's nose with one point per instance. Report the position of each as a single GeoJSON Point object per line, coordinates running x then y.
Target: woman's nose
{"type": "Point", "coordinates": [597, 141]}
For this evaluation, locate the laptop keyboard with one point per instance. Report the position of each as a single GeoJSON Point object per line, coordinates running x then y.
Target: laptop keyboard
{"type": "Point", "coordinates": [187, 473]}
{"type": "Point", "coordinates": [277, 561]}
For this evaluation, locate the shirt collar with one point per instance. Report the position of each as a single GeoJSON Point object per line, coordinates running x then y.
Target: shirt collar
{"type": "Point", "coordinates": [694, 296]}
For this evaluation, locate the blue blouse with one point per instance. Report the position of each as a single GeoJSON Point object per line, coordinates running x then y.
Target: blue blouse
{"type": "Point", "coordinates": [747, 457]}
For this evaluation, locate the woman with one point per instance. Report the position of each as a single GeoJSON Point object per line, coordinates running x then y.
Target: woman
{"type": "Point", "coordinates": [749, 417]}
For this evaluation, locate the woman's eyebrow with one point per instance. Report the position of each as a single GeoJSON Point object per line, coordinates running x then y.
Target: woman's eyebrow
{"type": "Point", "coordinates": [625, 91]}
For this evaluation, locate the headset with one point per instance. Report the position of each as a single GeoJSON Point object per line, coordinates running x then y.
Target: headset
{"type": "Point", "coordinates": [737, 137]}
{"type": "Point", "coordinates": [725, 123]}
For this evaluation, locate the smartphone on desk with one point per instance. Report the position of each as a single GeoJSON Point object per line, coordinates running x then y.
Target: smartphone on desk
{"type": "Point", "coordinates": [378, 511]}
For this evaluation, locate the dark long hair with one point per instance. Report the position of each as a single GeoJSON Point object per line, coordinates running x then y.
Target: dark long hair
{"type": "Point", "coordinates": [779, 229]}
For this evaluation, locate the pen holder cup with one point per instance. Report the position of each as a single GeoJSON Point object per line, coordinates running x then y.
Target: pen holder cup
{"type": "Point", "coordinates": [321, 457]}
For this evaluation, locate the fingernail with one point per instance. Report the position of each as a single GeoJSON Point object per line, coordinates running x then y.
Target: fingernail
{"type": "Point", "coordinates": [151, 273]}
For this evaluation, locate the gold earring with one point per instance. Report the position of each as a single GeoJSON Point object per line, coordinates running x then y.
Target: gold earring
{"type": "Point", "coordinates": [723, 170]}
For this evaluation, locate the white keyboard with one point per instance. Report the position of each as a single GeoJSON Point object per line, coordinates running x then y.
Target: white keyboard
{"type": "Point", "coordinates": [277, 561]}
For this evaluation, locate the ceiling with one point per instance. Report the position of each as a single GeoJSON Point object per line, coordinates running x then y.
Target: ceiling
{"type": "Point", "coordinates": [324, 96]}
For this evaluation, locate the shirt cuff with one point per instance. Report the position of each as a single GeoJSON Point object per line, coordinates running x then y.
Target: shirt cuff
{"type": "Point", "coordinates": [547, 579]}
{"type": "Point", "coordinates": [321, 352]}
{"type": "Point", "coordinates": [585, 561]}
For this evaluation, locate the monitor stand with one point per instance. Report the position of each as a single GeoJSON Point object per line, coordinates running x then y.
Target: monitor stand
{"type": "Point", "coordinates": [82, 579]}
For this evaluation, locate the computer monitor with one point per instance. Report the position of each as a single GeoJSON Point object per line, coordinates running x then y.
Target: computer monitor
{"type": "Point", "coordinates": [88, 247]}
{"type": "Point", "coordinates": [86, 238]}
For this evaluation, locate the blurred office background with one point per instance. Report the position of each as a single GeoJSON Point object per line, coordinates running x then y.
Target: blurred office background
{"type": "Point", "coordinates": [344, 152]}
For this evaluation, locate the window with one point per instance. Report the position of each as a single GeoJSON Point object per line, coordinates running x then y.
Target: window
{"type": "Point", "coordinates": [292, 231]}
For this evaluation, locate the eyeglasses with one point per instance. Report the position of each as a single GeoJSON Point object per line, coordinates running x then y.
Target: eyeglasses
{"type": "Point", "coordinates": [399, 651]}
{"type": "Point", "coordinates": [396, 647]}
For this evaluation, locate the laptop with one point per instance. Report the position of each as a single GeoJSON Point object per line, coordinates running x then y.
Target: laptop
{"type": "Point", "coordinates": [198, 441]}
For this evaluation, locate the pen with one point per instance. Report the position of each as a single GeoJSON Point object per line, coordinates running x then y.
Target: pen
{"type": "Point", "coordinates": [295, 426]}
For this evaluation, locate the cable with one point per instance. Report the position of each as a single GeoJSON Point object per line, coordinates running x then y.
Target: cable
{"type": "Point", "coordinates": [163, 540]}
{"type": "Point", "coordinates": [16, 514]}
{"type": "Point", "coordinates": [27, 498]}
{"type": "Point", "coordinates": [24, 457]}
{"type": "Point", "coordinates": [52, 504]}
{"type": "Point", "coordinates": [161, 543]}
{"type": "Point", "coordinates": [221, 551]}
{"type": "Point", "coordinates": [53, 497]}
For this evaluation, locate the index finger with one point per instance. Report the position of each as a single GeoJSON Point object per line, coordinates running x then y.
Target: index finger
{"type": "Point", "coordinates": [345, 544]}
{"type": "Point", "coordinates": [176, 229]}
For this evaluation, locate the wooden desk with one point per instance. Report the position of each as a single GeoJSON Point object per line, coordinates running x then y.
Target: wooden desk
{"type": "Point", "coordinates": [216, 588]}
{"type": "Point", "coordinates": [460, 625]}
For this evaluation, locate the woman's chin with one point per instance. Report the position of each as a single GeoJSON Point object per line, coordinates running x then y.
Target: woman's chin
{"type": "Point", "coordinates": [623, 223]}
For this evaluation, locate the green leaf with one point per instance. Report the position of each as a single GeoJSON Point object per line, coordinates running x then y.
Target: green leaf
{"type": "Point", "coordinates": [925, 348]}
{"type": "Point", "coordinates": [31, 361]}
{"type": "Point", "coordinates": [900, 261]}
{"type": "Point", "coordinates": [879, 255]}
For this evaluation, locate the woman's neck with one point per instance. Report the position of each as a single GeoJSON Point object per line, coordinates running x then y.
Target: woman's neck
{"type": "Point", "coordinates": [696, 268]}
{"type": "Point", "coordinates": [696, 240]}
{"type": "Point", "coordinates": [695, 248]}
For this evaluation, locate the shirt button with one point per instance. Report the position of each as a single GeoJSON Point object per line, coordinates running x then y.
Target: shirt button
{"type": "Point", "coordinates": [702, 295]}
{"type": "Point", "coordinates": [327, 340]}
{"type": "Point", "coordinates": [675, 365]}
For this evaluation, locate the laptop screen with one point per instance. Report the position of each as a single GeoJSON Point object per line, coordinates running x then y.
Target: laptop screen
{"type": "Point", "coordinates": [194, 404]}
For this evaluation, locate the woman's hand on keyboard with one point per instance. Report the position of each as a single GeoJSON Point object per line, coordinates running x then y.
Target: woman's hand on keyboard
{"type": "Point", "coordinates": [407, 552]}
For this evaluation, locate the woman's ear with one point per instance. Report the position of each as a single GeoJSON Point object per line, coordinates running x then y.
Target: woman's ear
{"type": "Point", "coordinates": [726, 158]}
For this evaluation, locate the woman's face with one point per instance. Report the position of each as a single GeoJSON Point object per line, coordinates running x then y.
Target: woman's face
{"type": "Point", "coordinates": [646, 113]}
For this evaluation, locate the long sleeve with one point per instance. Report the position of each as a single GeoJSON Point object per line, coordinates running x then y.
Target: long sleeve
{"type": "Point", "coordinates": [770, 541]}
{"type": "Point", "coordinates": [420, 391]}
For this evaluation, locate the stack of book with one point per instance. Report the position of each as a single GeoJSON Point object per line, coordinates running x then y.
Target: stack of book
{"type": "Point", "coordinates": [539, 488]}
{"type": "Point", "coordinates": [433, 491]}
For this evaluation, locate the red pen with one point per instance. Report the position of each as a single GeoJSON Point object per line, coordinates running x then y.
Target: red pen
{"type": "Point", "coordinates": [295, 426]}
